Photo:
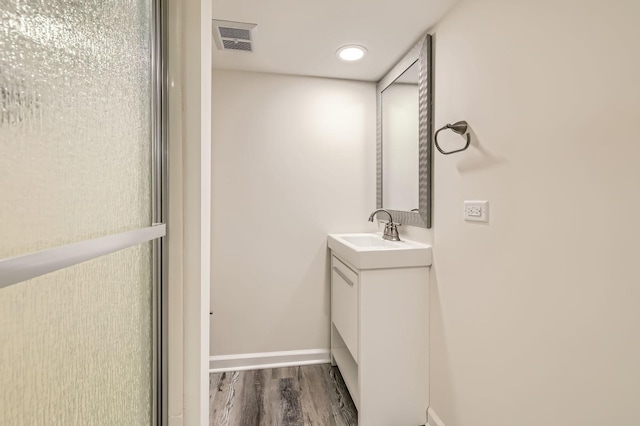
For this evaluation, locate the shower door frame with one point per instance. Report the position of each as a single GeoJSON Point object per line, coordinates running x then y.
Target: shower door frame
{"type": "Point", "coordinates": [31, 265]}
{"type": "Point", "coordinates": [159, 188]}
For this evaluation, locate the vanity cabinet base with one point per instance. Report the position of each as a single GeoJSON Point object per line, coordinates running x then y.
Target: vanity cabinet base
{"type": "Point", "coordinates": [388, 376]}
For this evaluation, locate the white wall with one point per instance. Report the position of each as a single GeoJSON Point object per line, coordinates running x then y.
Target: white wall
{"type": "Point", "coordinates": [190, 186]}
{"type": "Point", "coordinates": [534, 317]}
{"type": "Point", "coordinates": [293, 160]}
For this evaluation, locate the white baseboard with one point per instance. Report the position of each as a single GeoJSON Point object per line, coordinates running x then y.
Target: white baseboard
{"type": "Point", "coordinates": [433, 419]}
{"type": "Point", "coordinates": [258, 361]}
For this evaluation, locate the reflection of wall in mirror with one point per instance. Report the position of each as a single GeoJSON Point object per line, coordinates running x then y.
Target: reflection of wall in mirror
{"type": "Point", "coordinates": [400, 148]}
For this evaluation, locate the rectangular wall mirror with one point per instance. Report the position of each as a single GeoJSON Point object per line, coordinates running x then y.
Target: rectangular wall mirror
{"type": "Point", "coordinates": [405, 128]}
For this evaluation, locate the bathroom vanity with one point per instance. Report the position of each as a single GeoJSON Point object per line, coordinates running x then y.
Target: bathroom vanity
{"type": "Point", "coordinates": [380, 287]}
{"type": "Point", "coordinates": [380, 326]}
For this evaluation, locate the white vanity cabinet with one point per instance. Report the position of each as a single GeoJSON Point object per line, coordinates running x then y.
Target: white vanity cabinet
{"type": "Point", "coordinates": [380, 338]}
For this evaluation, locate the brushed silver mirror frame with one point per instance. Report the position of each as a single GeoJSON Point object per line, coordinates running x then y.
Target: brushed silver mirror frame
{"type": "Point", "coordinates": [422, 52]}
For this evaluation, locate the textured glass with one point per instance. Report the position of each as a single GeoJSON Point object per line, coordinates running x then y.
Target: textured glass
{"type": "Point", "coordinates": [74, 121]}
{"type": "Point", "coordinates": [75, 344]}
{"type": "Point", "coordinates": [75, 164]}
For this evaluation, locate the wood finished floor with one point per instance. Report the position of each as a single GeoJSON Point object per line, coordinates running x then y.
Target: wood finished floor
{"type": "Point", "coordinates": [308, 395]}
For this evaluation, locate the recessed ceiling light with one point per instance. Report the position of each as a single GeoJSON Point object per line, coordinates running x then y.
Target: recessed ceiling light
{"type": "Point", "coordinates": [351, 53]}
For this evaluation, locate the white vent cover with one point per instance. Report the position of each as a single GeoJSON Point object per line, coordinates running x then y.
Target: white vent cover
{"type": "Point", "coordinates": [234, 35]}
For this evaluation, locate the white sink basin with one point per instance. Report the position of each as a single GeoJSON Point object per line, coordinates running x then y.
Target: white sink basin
{"type": "Point", "coordinates": [370, 251]}
{"type": "Point", "coordinates": [369, 241]}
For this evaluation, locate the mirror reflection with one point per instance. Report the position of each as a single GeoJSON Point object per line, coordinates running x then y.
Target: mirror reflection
{"type": "Point", "coordinates": [400, 142]}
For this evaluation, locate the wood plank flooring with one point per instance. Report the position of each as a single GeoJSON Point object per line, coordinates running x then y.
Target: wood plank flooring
{"type": "Point", "coordinates": [313, 395]}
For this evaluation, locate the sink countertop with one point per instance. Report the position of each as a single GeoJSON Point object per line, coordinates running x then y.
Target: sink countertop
{"type": "Point", "coordinates": [370, 251]}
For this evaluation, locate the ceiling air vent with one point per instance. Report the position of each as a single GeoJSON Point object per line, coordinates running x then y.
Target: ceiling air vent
{"type": "Point", "coordinates": [234, 35]}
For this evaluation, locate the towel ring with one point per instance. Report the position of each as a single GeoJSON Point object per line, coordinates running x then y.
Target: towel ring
{"type": "Point", "coordinates": [460, 128]}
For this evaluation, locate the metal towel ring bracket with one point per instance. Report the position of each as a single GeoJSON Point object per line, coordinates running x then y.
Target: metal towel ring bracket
{"type": "Point", "coordinates": [460, 128]}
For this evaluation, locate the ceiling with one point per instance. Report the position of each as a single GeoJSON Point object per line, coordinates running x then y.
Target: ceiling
{"type": "Point", "coordinates": [301, 37]}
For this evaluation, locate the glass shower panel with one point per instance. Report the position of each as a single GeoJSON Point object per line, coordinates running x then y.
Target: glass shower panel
{"type": "Point", "coordinates": [75, 103]}
{"type": "Point", "coordinates": [75, 164]}
{"type": "Point", "coordinates": [75, 344]}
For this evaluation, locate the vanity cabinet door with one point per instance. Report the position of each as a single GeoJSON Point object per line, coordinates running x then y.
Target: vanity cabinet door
{"type": "Point", "coordinates": [344, 303]}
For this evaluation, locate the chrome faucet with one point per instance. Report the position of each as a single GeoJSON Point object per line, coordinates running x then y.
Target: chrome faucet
{"type": "Point", "coordinates": [390, 228]}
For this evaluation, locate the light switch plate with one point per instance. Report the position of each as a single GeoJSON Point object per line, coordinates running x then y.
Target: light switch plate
{"type": "Point", "coordinates": [476, 211]}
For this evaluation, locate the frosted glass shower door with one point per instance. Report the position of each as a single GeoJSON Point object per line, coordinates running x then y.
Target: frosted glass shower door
{"type": "Point", "coordinates": [77, 287]}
